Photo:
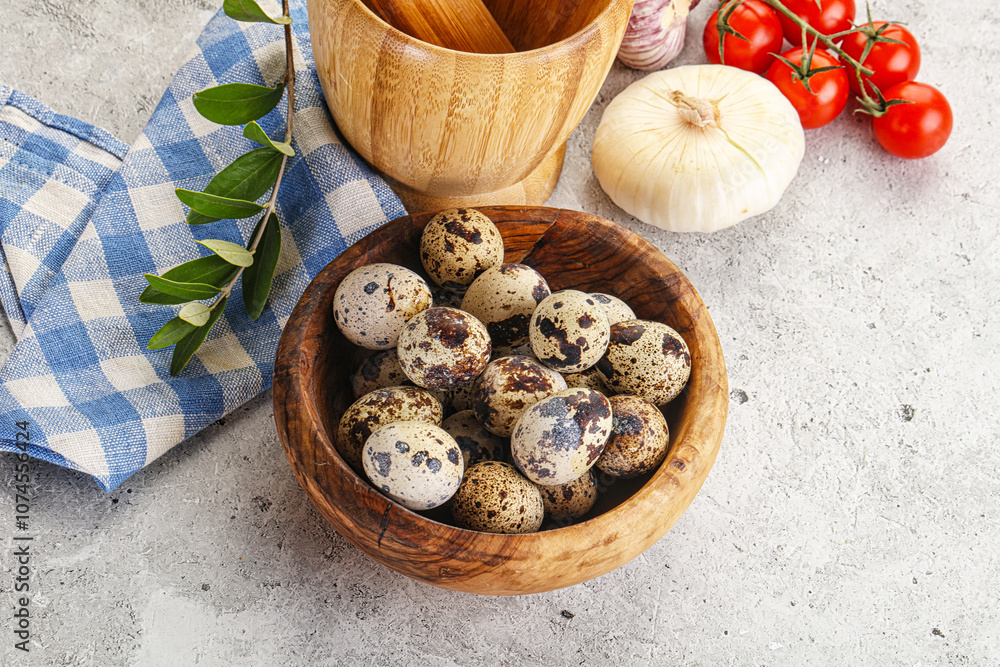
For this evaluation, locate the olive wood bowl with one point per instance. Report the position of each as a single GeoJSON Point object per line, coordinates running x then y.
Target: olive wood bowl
{"type": "Point", "coordinates": [450, 128]}
{"type": "Point", "coordinates": [572, 250]}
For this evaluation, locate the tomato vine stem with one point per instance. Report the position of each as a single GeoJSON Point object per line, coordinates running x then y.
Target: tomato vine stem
{"type": "Point", "coordinates": [875, 106]}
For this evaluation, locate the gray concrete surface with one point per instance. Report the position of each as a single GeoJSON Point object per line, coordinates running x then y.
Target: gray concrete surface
{"type": "Point", "coordinates": [852, 516]}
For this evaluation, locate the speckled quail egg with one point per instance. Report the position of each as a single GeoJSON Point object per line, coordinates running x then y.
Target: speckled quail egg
{"type": "Point", "coordinates": [444, 348]}
{"type": "Point", "coordinates": [379, 408]}
{"type": "Point", "coordinates": [647, 359]}
{"type": "Point", "coordinates": [567, 502]}
{"type": "Point", "coordinates": [508, 386]}
{"type": "Point", "coordinates": [373, 303]}
{"type": "Point", "coordinates": [416, 464]}
{"type": "Point", "coordinates": [569, 331]}
{"type": "Point", "coordinates": [524, 349]}
{"type": "Point", "coordinates": [459, 244]}
{"type": "Point", "coordinates": [616, 309]}
{"type": "Point", "coordinates": [588, 378]}
{"type": "Point", "coordinates": [495, 498]}
{"type": "Point", "coordinates": [477, 444]}
{"type": "Point", "coordinates": [560, 437]}
{"type": "Point", "coordinates": [639, 438]}
{"type": "Point", "coordinates": [442, 298]}
{"type": "Point", "coordinates": [461, 398]}
{"type": "Point", "coordinates": [383, 369]}
{"type": "Point", "coordinates": [379, 370]}
{"type": "Point", "coordinates": [503, 298]}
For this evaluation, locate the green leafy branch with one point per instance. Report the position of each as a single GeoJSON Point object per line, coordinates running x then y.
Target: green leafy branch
{"type": "Point", "coordinates": [874, 104]}
{"type": "Point", "coordinates": [232, 194]}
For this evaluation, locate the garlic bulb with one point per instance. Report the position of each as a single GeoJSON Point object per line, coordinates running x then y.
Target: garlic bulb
{"type": "Point", "coordinates": [655, 33]}
{"type": "Point", "coordinates": [698, 148]}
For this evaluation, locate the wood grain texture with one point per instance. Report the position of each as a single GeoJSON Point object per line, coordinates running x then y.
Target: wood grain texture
{"type": "Point", "coordinates": [448, 124]}
{"type": "Point", "coordinates": [533, 25]}
{"type": "Point", "coordinates": [578, 250]}
{"type": "Point", "coordinates": [534, 188]}
{"type": "Point", "coordinates": [462, 25]}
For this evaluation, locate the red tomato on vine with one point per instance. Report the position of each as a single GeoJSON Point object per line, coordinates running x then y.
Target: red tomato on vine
{"type": "Point", "coordinates": [755, 21]}
{"type": "Point", "coordinates": [917, 129]}
{"type": "Point", "coordinates": [831, 17]}
{"type": "Point", "coordinates": [827, 94]}
{"type": "Point", "coordinates": [891, 62]}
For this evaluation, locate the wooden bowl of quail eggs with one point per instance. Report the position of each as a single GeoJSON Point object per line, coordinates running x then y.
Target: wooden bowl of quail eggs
{"type": "Point", "coordinates": [503, 400]}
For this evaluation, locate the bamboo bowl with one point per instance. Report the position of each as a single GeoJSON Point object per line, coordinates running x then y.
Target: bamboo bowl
{"type": "Point", "coordinates": [572, 250]}
{"type": "Point", "coordinates": [449, 128]}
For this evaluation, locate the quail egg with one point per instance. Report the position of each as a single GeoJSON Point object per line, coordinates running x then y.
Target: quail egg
{"type": "Point", "coordinates": [503, 299]}
{"type": "Point", "coordinates": [383, 369]}
{"type": "Point", "coordinates": [647, 359]}
{"type": "Point", "coordinates": [524, 349]}
{"type": "Point", "coordinates": [567, 502]}
{"type": "Point", "coordinates": [379, 370]}
{"type": "Point", "coordinates": [459, 244]}
{"type": "Point", "coordinates": [477, 444]}
{"type": "Point", "coordinates": [445, 298]}
{"type": "Point", "coordinates": [495, 498]}
{"type": "Point", "coordinates": [560, 437]}
{"type": "Point", "coordinates": [379, 408]}
{"type": "Point", "coordinates": [461, 398]}
{"type": "Point", "coordinates": [616, 309]}
{"type": "Point", "coordinates": [508, 386]}
{"type": "Point", "coordinates": [639, 438]}
{"type": "Point", "coordinates": [588, 378]}
{"type": "Point", "coordinates": [569, 331]}
{"type": "Point", "coordinates": [443, 348]}
{"type": "Point", "coordinates": [373, 303]}
{"type": "Point", "coordinates": [416, 464]}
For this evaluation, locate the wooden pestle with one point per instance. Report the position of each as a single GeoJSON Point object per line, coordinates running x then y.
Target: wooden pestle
{"type": "Point", "coordinates": [460, 25]}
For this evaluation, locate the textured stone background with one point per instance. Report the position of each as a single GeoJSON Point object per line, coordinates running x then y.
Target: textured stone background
{"type": "Point", "coordinates": [852, 516]}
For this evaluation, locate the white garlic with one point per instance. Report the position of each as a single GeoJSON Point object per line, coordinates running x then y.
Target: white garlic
{"type": "Point", "coordinates": [698, 148]}
{"type": "Point", "coordinates": [655, 33]}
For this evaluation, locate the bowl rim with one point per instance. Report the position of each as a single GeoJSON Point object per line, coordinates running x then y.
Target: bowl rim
{"type": "Point", "coordinates": [678, 478]}
{"type": "Point", "coordinates": [565, 44]}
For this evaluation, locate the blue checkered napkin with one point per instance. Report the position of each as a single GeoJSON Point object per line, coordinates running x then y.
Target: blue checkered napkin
{"type": "Point", "coordinates": [83, 217]}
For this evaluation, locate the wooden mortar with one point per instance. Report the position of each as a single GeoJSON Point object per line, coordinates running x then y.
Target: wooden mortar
{"type": "Point", "coordinates": [450, 128]}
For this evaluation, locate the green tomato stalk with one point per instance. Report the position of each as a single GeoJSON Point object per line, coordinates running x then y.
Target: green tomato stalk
{"type": "Point", "coordinates": [875, 105]}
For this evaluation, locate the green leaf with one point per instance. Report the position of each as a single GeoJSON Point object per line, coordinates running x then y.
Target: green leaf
{"type": "Point", "coordinates": [189, 291]}
{"type": "Point", "coordinates": [195, 314]}
{"type": "Point", "coordinates": [257, 278]}
{"type": "Point", "coordinates": [170, 333]}
{"type": "Point", "coordinates": [154, 296]}
{"type": "Point", "coordinates": [255, 132]}
{"type": "Point", "coordinates": [236, 255]}
{"type": "Point", "coordinates": [210, 270]}
{"type": "Point", "coordinates": [218, 207]}
{"type": "Point", "coordinates": [250, 11]}
{"type": "Point", "coordinates": [237, 103]}
{"type": "Point", "coordinates": [248, 178]}
{"type": "Point", "coordinates": [190, 343]}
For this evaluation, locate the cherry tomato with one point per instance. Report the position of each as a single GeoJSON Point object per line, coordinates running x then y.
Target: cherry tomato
{"type": "Point", "coordinates": [829, 89]}
{"type": "Point", "coordinates": [914, 130]}
{"type": "Point", "coordinates": [892, 63]}
{"type": "Point", "coordinates": [835, 16]}
{"type": "Point", "coordinates": [757, 22]}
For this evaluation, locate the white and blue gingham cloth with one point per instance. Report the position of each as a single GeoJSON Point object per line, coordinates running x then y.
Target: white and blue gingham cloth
{"type": "Point", "coordinates": [83, 217]}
